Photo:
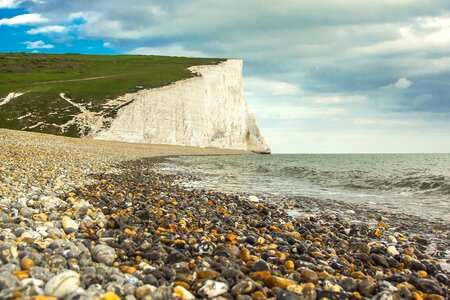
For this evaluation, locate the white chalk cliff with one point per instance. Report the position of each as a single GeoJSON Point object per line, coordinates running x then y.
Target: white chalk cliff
{"type": "Point", "coordinates": [208, 110]}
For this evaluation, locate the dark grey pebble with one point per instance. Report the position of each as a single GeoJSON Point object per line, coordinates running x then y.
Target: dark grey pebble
{"type": "Point", "coordinates": [260, 265]}
{"type": "Point", "coordinates": [442, 278]}
{"type": "Point", "coordinates": [349, 284]}
{"type": "Point", "coordinates": [175, 257]}
{"type": "Point", "coordinates": [379, 260]}
{"type": "Point", "coordinates": [417, 266]}
{"type": "Point", "coordinates": [429, 286]}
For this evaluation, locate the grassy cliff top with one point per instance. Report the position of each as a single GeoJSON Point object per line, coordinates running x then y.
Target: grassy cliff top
{"type": "Point", "coordinates": [89, 80]}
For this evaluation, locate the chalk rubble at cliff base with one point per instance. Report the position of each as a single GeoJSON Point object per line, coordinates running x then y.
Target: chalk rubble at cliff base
{"type": "Point", "coordinates": [135, 234]}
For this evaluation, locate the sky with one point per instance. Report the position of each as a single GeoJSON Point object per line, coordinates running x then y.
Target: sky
{"type": "Point", "coordinates": [322, 76]}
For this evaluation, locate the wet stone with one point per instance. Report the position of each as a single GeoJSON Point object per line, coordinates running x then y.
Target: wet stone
{"type": "Point", "coordinates": [417, 265]}
{"type": "Point", "coordinates": [260, 266]}
{"type": "Point", "coordinates": [429, 286]}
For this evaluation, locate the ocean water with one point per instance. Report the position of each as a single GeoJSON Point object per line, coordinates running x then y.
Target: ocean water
{"type": "Point", "coordinates": [416, 184]}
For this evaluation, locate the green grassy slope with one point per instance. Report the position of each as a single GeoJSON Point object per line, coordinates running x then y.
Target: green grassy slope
{"type": "Point", "coordinates": [90, 80]}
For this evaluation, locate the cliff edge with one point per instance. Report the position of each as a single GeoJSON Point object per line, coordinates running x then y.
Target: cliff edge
{"type": "Point", "coordinates": [209, 110]}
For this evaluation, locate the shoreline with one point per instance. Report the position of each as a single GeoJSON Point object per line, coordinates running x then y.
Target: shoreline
{"type": "Point", "coordinates": [434, 234]}
{"type": "Point", "coordinates": [75, 227]}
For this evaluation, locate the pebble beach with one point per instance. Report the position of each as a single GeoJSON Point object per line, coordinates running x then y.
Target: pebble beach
{"type": "Point", "coordinates": [87, 219]}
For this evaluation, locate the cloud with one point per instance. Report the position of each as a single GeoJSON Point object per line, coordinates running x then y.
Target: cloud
{"type": "Point", "coordinates": [169, 50]}
{"type": "Point", "coordinates": [16, 3]}
{"type": "Point", "coordinates": [295, 112]}
{"type": "Point", "coordinates": [315, 65]}
{"type": "Point", "coordinates": [48, 29]}
{"type": "Point", "coordinates": [9, 3]}
{"type": "Point", "coordinates": [401, 84]}
{"type": "Point", "coordinates": [336, 99]}
{"type": "Point", "coordinates": [38, 45]}
{"type": "Point", "coordinates": [278, 88]}
{"type": "Point", "coordinates": [425, 34]}
{"type": "Point", "coordinates": [25, 19]}
{"type": "Point", "coordinates": [107, 44]}
{"type": "Point", "coordinates": [387, 122]}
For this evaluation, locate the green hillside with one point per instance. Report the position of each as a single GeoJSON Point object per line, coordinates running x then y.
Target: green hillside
{"type": "Point", "coordinates": [88, 80]}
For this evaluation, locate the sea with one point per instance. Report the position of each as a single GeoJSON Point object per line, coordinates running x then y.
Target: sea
{"type": "Point", "coordinates": [414, 184]}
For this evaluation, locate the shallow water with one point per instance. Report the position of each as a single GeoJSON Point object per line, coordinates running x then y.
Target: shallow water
{"type": "Point", "coordinates": [417, 184]}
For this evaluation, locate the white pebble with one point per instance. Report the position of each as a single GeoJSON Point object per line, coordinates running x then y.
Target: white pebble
{"type": "Point", "coordinates": [392, 250]}
{"type": "Point", "coordinates": [62, 284]}
{"type": "Point", "coordinates": [212, 289]}
{"type": "Point", "coordinates": [253, 198]}
{"type": "Point", "coordinates": [69, 223]}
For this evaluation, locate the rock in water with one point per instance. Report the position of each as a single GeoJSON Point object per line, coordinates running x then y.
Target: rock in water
{"type": "Point", "coordinates": [62, 284]}
{"type": "Point", "coordinates": [104, 254]}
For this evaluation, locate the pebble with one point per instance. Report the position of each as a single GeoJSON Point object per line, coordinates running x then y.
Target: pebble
{"type": "Point", "coordinates": [211, 289]}
{"type": "Point", "coordinates": [104, 254]}
{"type": "Point", "coordinates": [392, 250]}
{"type": "Point", "coordinates": [68, 224]}
{"type": "Point", "coordinates": [63, 284]}
{"type": "Point", "coordinates": [130, 232]}
{"type": "Point", "coordinates": [260, 265]}
{"type": "Point", "coordinates": [429, 286]}
{"type": "Point", "coordinates": [244, 254]}
{"type": "Point", "coordinates": [275, 281]}
{"type": "Point", "coordinates": [27, 264]}
{"type": "Point", "coordinates": [110, 296]}
{"type": "Point", "coordinates": [183, 293]}
{"type": "Point", "coordinates": [253, 198]}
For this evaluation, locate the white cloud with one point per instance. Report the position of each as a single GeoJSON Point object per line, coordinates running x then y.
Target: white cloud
{"type": "Point", "coordinates": [169, 50]}
{"type": "Point", "coordinates": [426, 34]}
{"type": "Point", "coordinates": [25, 19]}
{"type": "Point", "coordinates": [401, 84]}
{"type": "Point", "coordinates": [336, 99]}
{"type": "Point", "coordinates": [38, 45]}
{"type": "Point", "coordinates": [48, 29]}
{"type": "Point", "coordinates": [16, 3]}
{"type": "Point", "coordinates": [297, 112]}
{"type": "Point", "coordinates": [258, 85]}
{"type": "Point", "coordinates": [106, 44]}
{"type": "Point", "coordinates": [9, 3]}
{"type": "Point", "coordinates": [387, 122]}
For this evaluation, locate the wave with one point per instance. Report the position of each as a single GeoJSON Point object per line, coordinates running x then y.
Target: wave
{"type": "Point", "coordinates": [412, 181]}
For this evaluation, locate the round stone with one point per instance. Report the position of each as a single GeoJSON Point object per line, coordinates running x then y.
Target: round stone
{"type": "Point", "coordinates": [104, 254]}
{"type": "Point", "coordinates": [62, 284]}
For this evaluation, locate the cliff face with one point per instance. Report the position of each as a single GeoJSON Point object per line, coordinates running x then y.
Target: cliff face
{"type": "Point", "coordinates": [209, 110]}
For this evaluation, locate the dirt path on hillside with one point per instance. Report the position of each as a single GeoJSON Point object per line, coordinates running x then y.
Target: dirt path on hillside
{"type": "Point", "coordinates": [81, 79]}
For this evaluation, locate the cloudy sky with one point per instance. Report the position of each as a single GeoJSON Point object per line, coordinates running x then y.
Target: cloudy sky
{"type": "Point", "coordinates": [321, 76]}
